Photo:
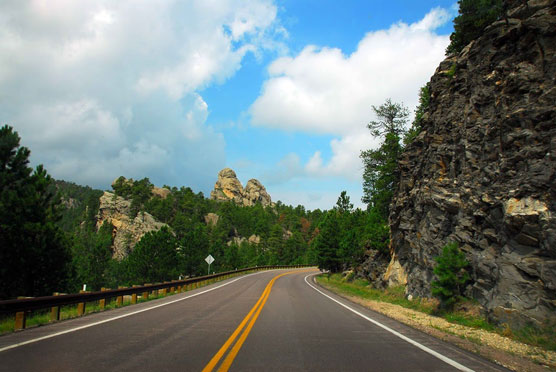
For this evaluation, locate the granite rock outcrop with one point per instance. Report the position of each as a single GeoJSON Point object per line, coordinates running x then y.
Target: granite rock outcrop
{"type": "Point", "coordinates": [482, 172]}
{"type": "Point", "coordinates": [228, 187]}
{"type": "Point", "coordinates": [127, 231]}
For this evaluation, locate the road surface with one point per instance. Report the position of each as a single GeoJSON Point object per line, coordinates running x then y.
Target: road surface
{"type": "Point", "coordinates": [277, 320]}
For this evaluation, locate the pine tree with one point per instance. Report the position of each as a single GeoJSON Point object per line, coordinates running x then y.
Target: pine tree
{"type": "Point", "coordinates": [327, 245]}
{"type": "Point", "coordinates": [452, 276]}
{"type": "Point", "coordinates": [474, 16]}
{"type": "Point", "coordinates": [154, 258]}
{"type": "Point", "coordinates": [380, 175]}
{"type": "Point", "coordinates": [34, 252]}
{"type": "Point", "coordinates": [417, 125]}
{"type": "Point", "coordinates": [91, 256]}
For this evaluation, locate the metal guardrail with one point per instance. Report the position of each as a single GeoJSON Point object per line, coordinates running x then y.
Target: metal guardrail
{"type": "Point", "coordinates": [21, 306]}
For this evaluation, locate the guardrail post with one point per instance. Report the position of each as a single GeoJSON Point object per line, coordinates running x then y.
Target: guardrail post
{"type": "Point", "coordinates": [81, 306]}
{"type": "Point", "coordinates": [55, 310]}
{"type": "Point", "coordinates": [145, 295]}
{"type": "Point", "coordinates": [102, 301]}
{"type": "Point", "coordinates": [19, 321]}
{"type": "Point", "coordinates": [134, 295]}
{"type": "Point", "coordinates": [120, 299]}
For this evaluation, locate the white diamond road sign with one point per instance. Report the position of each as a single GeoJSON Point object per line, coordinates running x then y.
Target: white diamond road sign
{"type": "Point", "coordinates": [209, 259]}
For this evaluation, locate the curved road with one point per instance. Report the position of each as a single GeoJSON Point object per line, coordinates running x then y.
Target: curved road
{"type": "Point", "coordinates": [268, 321]}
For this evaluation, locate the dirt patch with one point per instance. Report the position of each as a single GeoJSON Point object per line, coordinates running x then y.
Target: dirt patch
{"type": "Point", "coordinates": [502, 350]}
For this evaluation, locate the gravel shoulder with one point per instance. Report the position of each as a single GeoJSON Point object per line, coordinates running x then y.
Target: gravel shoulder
{"type": "Point", "coordinates": [502, 350]}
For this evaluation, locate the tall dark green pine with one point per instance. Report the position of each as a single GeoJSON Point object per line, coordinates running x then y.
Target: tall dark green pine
{"type": "Point", "coordinates": [275, 245]}
{"type": "Point", "coordinates": [91, 256]}
{"type": "Point", "coordinates": [34, 253]}
{"type": "Point", "coordinates": [380, 175]}
{"type": "Point", "coordinates": [154, 258]}
{"type": "Point", "coordinates": [194, 247]}
{"type": "Point", "coordinates": [327, 245]}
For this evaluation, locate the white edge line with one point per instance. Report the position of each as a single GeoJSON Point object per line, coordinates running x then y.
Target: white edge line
{"type": "Point", "coordinates": [451, 362]}
{"type": "Point", "coordinates": [121, 316]}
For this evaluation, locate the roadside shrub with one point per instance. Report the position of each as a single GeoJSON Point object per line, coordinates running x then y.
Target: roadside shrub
{"type": "Point", "coordinates": [452, 276]}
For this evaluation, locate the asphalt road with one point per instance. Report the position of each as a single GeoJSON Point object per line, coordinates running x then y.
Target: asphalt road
{"type": "Point", "coordinates": [261, 322]}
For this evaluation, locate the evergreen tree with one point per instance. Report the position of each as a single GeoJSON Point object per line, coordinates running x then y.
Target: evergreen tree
{"type": "Point", "coordinates": [34, 252]}
{"type": "Point", "coordinates": [275, 245]}
{"type": "Point", "coordinates": [91, 256]}
{"type": "Point", "coordinates": [194, 247]}
{"type": "Point", "coordinates": [416, 126]}
{"type": "Point", "coordinates": [451, 273]}
{"type": "Point", "coordinates": [380, 175]}
{"type": "Point", "coordinates": [375, 233]}
{"type": "Point", "coordinates": [139, 192]}
{"type": "Point", "coordinates": [327, 245]}
{"type": "Point", "coordinates": [343, 204]}
{"type": "Point", "coordinates": [392, 118]}
{"type": "Point", "coordinates": [474, 16]}
{"type": "Point", "coordinates": [154, 258]}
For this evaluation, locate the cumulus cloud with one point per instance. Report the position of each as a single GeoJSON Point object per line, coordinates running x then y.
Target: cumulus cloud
{"type": "Point", "coordinates": [98, 89]}
{"type": "Point", "coordinates": [322, 90]}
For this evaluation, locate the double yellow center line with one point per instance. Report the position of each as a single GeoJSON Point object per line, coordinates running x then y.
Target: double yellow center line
{"type": "Point", "coordinates": [249, 320]}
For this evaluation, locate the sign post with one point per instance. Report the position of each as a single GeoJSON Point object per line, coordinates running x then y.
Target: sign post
{"type": "Point", "coordinates": [209, 260]}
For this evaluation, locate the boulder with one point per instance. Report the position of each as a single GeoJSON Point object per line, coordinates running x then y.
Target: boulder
{"type": "Point", "coordinates": [254, 239]}
{"type": "Point", "coordinates": [211, 219]}
{"type": "Point", "coordinates": [161, 192]}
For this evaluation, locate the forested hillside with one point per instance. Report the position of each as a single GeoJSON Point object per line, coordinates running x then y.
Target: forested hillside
{"type": "Point", "coordinates": [236, 236]}
{"type": "Point", "coordinates": [77, 243]}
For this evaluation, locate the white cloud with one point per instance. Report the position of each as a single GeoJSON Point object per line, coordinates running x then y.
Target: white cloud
{"type": "Point", "coordinates": [323, 91]}
{"type": "Point", "coordinates": [101, 88]}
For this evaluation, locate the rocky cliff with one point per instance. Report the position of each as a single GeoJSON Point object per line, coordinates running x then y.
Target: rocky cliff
{"type": "Point", "coordinates": [127, 230]}
{"type": "Point", "coordinates": [482, 171]}
{"type": "Point", "coordinates": [228, 187]}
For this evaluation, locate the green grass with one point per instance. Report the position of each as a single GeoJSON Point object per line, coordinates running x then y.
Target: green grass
{"type": "Point", "coordinates": [361, 288]}
{"type": "Point", "coordinates": [544, 337]}
{"type": "Point", "coordinates": [42, 317]}
{"type": "Point", "coordinates": [469, 321]}
{"type": "Point", "coordinates": [452, 71]}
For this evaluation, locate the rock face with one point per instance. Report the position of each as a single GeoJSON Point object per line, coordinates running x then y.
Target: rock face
{"type": "Point", "coordinates": [211, 219]}
{"type": "Point", "coordinates": [483, 171]}
{"type": "Point", "coordinates": [228, 187]}
{"type": "Point", "coordinates": [127, 231]}
{"type": "Point", "coordinates": [161, 192]}
{"type": "Point", "coordinates": [254, 193]}
{"type": "Point", "coordinates": [373, 266]}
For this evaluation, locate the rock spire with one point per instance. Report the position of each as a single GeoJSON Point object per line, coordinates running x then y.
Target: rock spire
{"type": "Point", "coordinates": [228, 187]}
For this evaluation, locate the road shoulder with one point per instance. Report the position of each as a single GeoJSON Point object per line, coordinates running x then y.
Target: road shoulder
{"type": "Point", "coordinates": [501, 350]}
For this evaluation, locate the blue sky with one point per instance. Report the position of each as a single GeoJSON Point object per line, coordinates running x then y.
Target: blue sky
{"type": "Point", "coordinates": [175, 91]}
